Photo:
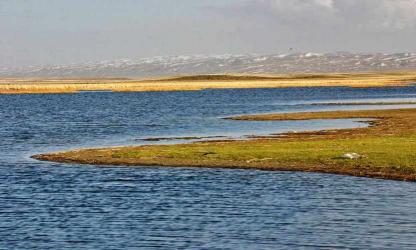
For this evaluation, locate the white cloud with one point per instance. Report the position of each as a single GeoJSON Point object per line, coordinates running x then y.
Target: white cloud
{"type": "Point", "coordinates": [366, 15]}
{"type": "Point", "coordinates": [297, 4]}
{"type": "Point", "coordinates": [325, 3]}
{"type": "Point", "coordinates": [397, 14]}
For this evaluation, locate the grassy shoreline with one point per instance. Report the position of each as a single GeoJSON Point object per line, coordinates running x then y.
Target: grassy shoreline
{"type": "Point", "coordinates": [201, 82]}
{"type": "Point", "coordinates": [387, 147]}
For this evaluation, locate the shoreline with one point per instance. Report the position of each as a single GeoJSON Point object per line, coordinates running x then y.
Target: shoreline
{"type": "Point", "coordinates": [387, 148]}
{"type": "Point", "coordinates": [203, 82]}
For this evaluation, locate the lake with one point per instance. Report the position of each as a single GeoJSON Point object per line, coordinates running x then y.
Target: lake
{"type": "Point", "coordinates": [61, 206]}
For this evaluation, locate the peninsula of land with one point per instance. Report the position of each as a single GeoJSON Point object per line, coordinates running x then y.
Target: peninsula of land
{"type": "Point", "coordinates": [386, 149]}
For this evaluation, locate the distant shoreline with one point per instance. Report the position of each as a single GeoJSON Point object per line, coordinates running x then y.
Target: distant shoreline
{"type": "Point", "coordinates": [201, 82]}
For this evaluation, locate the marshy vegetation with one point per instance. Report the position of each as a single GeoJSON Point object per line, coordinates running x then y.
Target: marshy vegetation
{"type": "Point", "coordinates": [387, 148]}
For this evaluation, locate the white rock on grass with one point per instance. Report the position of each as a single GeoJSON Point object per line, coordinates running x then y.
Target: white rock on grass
{"type": "Point", "coordinates": [350, 156]}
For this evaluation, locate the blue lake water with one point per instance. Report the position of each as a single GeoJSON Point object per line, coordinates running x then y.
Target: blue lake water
{"type": "Point", "coordinates": [49, 205]}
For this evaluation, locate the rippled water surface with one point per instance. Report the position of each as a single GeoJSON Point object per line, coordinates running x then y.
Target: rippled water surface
{"type": "Point", "coordinates": [60, 206]}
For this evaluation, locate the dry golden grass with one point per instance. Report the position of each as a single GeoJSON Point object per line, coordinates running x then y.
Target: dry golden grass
{"type": "Point", "coordinates": [200, 82]}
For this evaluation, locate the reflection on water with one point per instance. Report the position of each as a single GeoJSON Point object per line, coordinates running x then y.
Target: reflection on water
{"type": "Point", "coordinates": [59, 206]}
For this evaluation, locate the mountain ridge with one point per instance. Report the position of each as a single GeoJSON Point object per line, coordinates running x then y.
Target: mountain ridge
{"type": "Point", "coordinates": [163, 66]}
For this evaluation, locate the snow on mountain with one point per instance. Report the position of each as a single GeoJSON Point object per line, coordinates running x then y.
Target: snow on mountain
{"type": "Point", "coordinates": [219, 64]}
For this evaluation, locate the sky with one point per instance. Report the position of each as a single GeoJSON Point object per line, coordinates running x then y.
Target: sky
{"type": "Point", "coordinates": [46, 32]}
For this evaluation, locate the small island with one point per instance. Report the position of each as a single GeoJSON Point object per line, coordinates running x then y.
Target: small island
{"type": "Point", "coordinates": [385, 149]}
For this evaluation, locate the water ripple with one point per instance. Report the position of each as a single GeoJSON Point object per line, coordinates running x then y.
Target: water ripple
{"type": "Point", "coordinates": [59, 206]}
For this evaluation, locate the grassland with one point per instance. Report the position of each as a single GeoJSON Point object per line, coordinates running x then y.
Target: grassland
{"type": "Point", "coordinates": [201, 82]}
{"type": "Point", "coordinates": [387, 148]}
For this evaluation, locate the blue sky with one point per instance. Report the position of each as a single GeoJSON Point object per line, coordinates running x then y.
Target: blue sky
{"type": "Point", "coordinates": [39, 32]}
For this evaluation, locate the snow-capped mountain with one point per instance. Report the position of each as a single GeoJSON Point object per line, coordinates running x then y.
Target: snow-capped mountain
{"type": "Point", "coordinates": [198, 64]}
